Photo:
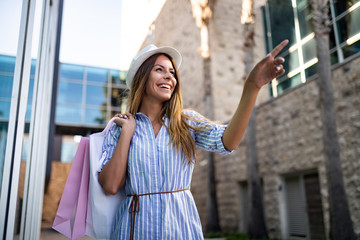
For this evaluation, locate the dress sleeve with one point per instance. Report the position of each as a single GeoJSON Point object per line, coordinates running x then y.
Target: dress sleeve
{"type": "Point", "coordinates": [209, 137]}
{"type": "Point", "coordinates": [110, 141]}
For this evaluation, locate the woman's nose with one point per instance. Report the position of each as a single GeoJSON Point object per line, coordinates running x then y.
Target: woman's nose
{"type": "Point", "coordinates": [168, 75]}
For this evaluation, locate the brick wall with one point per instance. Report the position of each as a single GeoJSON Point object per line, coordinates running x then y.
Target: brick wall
{"type": "Point", "coordinates": [289, 128]}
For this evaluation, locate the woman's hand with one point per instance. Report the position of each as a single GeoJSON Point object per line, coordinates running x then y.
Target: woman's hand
{"type": "Point", "coordinates": [268, 68]}
{"type": "Point", "coordinates": [113, 176]}
{"type": "Point", "coordinates": [265, 71]}
{"type": "Point", "coordinates": [126, 122]}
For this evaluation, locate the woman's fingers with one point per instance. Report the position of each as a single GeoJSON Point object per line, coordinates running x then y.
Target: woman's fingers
{"type": "Point", "coordinates": [128, 115]}
{"type": "Point", "coordinates": [278, 48]}
{"type": "Point", "coordinates": [124, 116]}
{"type": "Point", "coordinates": [279, 60]}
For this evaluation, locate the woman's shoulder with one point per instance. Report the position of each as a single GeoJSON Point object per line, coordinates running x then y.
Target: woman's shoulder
{"type": "Point", "coordinates": [114, 130]}
{"type": "Point", "coordinates": [192, 113]}
{"type": "Point", "coordinates": [194, 118]}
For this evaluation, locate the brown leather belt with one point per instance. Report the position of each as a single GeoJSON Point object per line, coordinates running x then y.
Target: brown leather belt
{"type": "Point", "coordinates": [135, 207]}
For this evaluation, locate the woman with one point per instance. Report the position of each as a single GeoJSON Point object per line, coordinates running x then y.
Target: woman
{"type": "Point", "coordinates": [150, 151]}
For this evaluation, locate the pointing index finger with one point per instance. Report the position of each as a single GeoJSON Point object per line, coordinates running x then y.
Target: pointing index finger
{"type": "Point", "coordinates": [278, 48]}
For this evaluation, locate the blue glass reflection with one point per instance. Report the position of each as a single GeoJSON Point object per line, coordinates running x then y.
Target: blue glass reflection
{"type": "Point", "coordinates": [33, 67]}
{"type": "Point", "coordinates": [31, 88]}
{"type": "Point", "coordinates": [96, 74]}
{"type": "Point", "coordinates": [7, 64]}
{"type": "Point", "coordinates": [6, 83]}
{"type": "Point", "coordinates": [68, 114]}
{"type": "Point", "coordinates": [69, 92]}
{"type": "Point", "coordinates": [95, 116]}
{"type": "Point", "coordinates": [28, 111]}
{"type": "Point", "coordinates": [4, 109]}
{"type": "Point", "coordinates": [96, 95]}
{"type": "Point", "coordinates": [118, 77]}
{"type": "Point", "coordinates": [70, 71]}
{"type": "Point", "coordinates": [3, 134]}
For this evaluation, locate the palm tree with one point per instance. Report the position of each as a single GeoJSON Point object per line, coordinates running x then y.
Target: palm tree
{"type": "Point", "coordinates": [341, 226]}
{"type": "Point", "coordinates": [256, 227]}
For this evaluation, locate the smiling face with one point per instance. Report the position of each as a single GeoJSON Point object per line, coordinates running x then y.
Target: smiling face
{"type": "Point", "coordinates": [161, 82]}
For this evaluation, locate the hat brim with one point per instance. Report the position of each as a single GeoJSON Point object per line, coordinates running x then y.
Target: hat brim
{"type": "Point", "coordinates": [135, 65]}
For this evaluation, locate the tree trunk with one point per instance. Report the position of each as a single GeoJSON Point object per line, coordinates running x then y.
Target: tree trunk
{"type": "Point", "coordinates": [257, 226]}
{"type": "Point", "coordinates": [202, 19]}
{"type": "Point", "coordinates": [212, 220]}
{"type": "Point", "coordinates": [341, 227]}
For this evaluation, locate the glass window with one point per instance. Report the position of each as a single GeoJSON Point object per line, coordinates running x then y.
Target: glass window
{"type": "Point", "coordinates": [6, 82]}
{"type": "Point", "coordinates": [4, 110]}
{"type": "Point", "coordinates": [7, 64]}
{"type": "Point", "coordinates": [289, 83]}
{"type": "Point", "coordinates": [266, 30]}
{"type": "Point", "coordinates": [343, 43]}
{"type": "Point", "coordinates": [309, 50]}
{"type": "Point", "coordinates": [349, 25]}
{"type": "Point", "coordinates": [96, 74]}
{"type": "Point", "coordinates": [341, 6]}
{"type": "Point", "coordinates": [69, 92]}
{"type": "Point", "coordinates": [28, 111]}
{"type": "Point", "coordinates": [349, 50]}
{"type": "Point", "coordinates": [118, 77]}
{"type": "Point", "coordinates": [33, 68]}
{"type": "Point", "coordinates": [332, 41]}
{"type": "Point", "coordinates": [95, 116]}
{"type": "Point", "coordinates": [68, 149]}
{"type": "Point", "coordinates": [334, 58]}
{"type": "Point", "coordinates": [70, 71]}
{"type": "Point", "coordinates": [115, 111]}
{"type": "Point", "coordinates": [3, 137]}
{"type": "Point", "coordinates": [31, 87]}
{"type": "Point", "coordinates": [68, 114]}
{"type": "Point", "coordinates": [96, 95]}
{"type": "Point", "coordinates": [305, 17]}
{"type": "Point", "coordinates": [280, 29]}
{"type": "Point", "coordinates": [118, 96]}
{"type": "Point", "coordinates": [291, 61]}
{"type": "Point", "coordinates": [312, 70]}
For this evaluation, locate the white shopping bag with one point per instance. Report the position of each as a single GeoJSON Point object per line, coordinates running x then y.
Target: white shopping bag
{"type": "Point", "coordinates": [101, 207]}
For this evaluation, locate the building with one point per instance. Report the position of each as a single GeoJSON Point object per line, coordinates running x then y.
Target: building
{"type": "Point", "coordinates": [86, 97]}
{"type": "Point", "coordinates": [290, 148]}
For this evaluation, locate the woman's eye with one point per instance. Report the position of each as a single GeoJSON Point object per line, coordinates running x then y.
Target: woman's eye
{"type": "Point", "coordinates": [172, 73]}
{"type": "Point", "coordinates": [158, 69]}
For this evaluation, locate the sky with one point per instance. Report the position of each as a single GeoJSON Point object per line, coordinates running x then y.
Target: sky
{"type": "Point", "coordinates": [103, 33]}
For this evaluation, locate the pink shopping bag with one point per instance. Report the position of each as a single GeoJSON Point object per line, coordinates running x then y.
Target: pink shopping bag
{"type": "Point", "coordinates": [70, 219]}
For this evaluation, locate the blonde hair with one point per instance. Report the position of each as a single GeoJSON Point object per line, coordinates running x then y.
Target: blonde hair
{"type": "Point", "coordinates": [178, 128]}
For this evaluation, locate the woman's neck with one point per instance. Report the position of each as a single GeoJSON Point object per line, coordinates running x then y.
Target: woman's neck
{"type": "Point", "coordinates": [151, 110]}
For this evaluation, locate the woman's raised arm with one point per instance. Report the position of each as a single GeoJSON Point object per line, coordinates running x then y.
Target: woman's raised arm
{"type": "Point", "coordinates": [267, 69]}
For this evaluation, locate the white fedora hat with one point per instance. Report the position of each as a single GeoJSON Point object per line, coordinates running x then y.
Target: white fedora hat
{"type": "Point", "coordinates": [147, 52]}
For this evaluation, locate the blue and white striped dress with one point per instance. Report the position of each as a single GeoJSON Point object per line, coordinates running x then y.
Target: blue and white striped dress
{"type": "Point", "coordinates": [155, 166]}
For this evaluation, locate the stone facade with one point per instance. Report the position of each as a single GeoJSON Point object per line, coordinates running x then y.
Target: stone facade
{"type": "Point", "coordinates": [288, 128]}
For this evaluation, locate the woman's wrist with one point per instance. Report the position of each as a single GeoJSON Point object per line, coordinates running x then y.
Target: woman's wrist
{"type": "Point", "coordinates": [251, 86]}
{"type": "Point", "coordinates": [127, 131]}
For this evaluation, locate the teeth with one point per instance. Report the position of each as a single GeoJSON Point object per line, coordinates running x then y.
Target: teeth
{"type": "Point", "coordinates": [165, 86]}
